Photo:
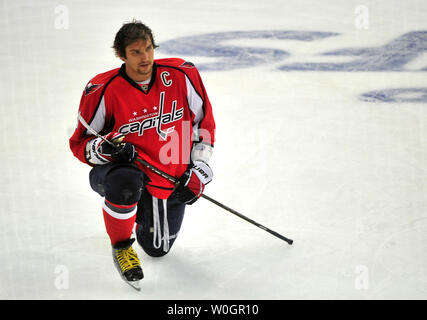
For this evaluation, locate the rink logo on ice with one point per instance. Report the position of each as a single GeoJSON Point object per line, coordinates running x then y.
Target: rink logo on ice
{"type": "Point", "coordinates": [399, 95]}
{"type": "Point", "coordinates": [229, 53]}
{"type": "Point", "coordinates": [391, 56]}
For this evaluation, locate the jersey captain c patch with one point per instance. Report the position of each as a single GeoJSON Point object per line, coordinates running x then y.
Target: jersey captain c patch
{"type": "Point", "coordinates": [91, 88]}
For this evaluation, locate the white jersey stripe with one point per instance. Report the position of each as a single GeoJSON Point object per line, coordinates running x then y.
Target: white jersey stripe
{"type": "Point", "coordinates": [117, 215]}
{"type": "Point", "coordinates": [98, 121]}
{"type": "Point", "coordinates": [195, 102]}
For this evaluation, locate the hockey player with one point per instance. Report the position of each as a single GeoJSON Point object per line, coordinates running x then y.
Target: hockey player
{"type": "Point", "coordinates": [156, 110]}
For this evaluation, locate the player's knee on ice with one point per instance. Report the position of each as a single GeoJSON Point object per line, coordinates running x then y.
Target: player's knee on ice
{"type": "Point", "coordinates": [146, 243]}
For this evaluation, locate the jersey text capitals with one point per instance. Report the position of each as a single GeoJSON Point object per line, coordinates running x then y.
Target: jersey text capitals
{"type": "Point", "coordinates": [156, 121]}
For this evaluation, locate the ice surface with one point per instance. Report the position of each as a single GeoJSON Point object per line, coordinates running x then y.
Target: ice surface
{"type": "Point", "coordinates": [302, 152]}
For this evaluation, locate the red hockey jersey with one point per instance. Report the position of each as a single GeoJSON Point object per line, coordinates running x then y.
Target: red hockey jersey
{"type": "Point", "coordinates": [162, 121]}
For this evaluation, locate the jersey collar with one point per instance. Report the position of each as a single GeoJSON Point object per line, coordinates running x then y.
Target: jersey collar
{"type": "Point", "coordinates": [124, 75]}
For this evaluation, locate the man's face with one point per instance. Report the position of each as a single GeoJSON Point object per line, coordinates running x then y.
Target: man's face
{"type": "Point", "coordinates": [139, 60]}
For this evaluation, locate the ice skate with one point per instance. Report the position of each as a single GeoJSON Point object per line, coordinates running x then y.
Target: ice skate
{"type": "Point", "coordinates": [127, 263]}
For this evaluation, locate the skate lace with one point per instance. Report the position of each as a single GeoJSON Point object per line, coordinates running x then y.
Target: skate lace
{"type": "Point", "coordinates": [127, 259]}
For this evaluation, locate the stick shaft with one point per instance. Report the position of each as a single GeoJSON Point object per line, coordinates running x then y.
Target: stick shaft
{"type": "Point", "coordinates": [274, 233]}
{"type": "Point", "coordinates": [158, 171]}
{"type": "Point", "coordinates": [91, 130]}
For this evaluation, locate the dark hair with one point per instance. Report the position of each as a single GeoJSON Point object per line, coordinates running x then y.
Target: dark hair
{"type": "Point", "coordinates": [129, 33]}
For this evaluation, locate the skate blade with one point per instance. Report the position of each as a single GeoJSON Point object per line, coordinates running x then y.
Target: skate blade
{"type": "Point", "coordinates": [134, 284]}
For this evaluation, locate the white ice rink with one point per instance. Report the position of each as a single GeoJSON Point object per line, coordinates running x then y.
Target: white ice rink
{"type": "Point", "coordinates": [323, 139]}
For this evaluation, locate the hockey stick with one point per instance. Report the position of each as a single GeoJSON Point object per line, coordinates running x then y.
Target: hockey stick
{"type": "Point", "coordinates": [176, 182]}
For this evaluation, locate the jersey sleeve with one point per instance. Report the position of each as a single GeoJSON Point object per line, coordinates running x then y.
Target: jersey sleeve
{"type": "Point", "coordinates": [93, 110]}
{"type": "Point", "coordinates": [200, 106]}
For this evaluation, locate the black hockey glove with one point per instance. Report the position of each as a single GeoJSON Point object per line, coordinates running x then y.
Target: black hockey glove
{"type": "Point", "coordinates": [193, 181]}
{"type": "Point", "coordinates": [100, 152]}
